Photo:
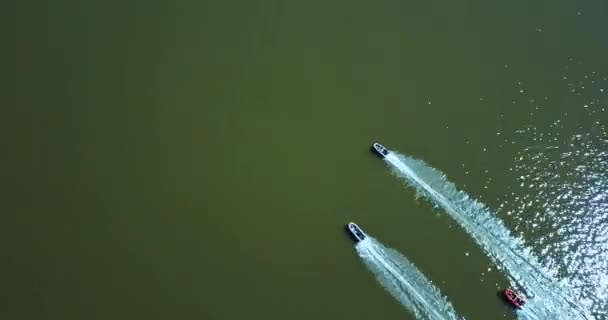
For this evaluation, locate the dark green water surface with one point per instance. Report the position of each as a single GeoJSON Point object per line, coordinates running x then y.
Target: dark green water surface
{"type": "Point", "coordinates": [199, 159]}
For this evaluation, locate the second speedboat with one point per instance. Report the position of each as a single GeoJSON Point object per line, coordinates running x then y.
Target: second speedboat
{"type": "Point", "coordinates": [355, 232]}
{"type": "Point", "coordinates": [380, 149]}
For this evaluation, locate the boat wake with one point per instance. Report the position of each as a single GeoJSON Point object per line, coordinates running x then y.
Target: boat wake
{"type": "Point", "coordinates": [547, 297]}
{"type": "Point", "coordinates": [404, 282]}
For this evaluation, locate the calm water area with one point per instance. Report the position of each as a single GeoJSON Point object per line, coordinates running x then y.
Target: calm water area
{"type": "Point", "coordinates": [199, 159]}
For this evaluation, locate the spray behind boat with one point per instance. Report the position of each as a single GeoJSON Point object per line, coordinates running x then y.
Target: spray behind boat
{"type": "Point", "coordinates": [401, 278]}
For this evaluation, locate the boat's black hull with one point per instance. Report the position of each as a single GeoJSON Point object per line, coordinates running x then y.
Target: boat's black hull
{"type": "Point", "coordinates": [379, 150]}
{"type": "Point", "coordinates": [375, 152]}
{"type": "Point", "coordinates": [355, 232]}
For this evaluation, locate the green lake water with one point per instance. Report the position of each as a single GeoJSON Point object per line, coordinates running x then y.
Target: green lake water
{"type": "Point", "coordinates": [199, 159]}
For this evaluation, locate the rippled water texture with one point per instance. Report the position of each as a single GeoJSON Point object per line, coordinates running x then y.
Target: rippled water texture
{"type": "Point", "coordinates": [548, 298]}
{"type": "Point", "coordinates": [560, 196]}
{"type": "Point", "coordinates": [405, 282]}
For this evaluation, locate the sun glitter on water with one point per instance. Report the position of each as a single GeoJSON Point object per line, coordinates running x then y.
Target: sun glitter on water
{"type": "Point", "coordinates": [561, 192]}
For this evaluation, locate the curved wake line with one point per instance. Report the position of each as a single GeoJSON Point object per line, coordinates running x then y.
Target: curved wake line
{"type": "Point", "coordinates": [550, 300]}
{"type": "Point", "coordinates": [404, 282]}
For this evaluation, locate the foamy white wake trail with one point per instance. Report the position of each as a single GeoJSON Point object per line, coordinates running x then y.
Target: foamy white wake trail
{"type": "Point", "coordinates": [402, 280]}
{"type": "Point", "coordinates": [547, 298]}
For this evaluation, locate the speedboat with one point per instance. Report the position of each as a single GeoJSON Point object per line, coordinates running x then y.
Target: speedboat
{"type": "Point", "coordinates": [355, 231]}
{"type": "Point", "coordinates": [514, 298]}
{"type": "Point", "coordinates": [380, 149]}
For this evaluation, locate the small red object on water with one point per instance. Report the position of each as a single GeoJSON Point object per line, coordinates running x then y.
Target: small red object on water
{"type": "Point", "coordinates": [514, 298]}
